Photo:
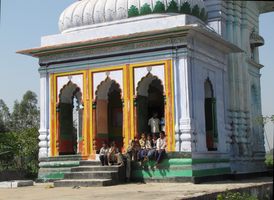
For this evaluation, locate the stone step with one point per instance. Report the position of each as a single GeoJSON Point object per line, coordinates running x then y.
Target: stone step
{"type": "Point", "coordinates": [83, 183]}
{"type": "Point", "coordinates": [95, 168]}
{"type": "Point", "coordinates": [62, 158]}
{"type": "Point", "coordinates": [92, 175]}
{"type": "Point", "coordinates": [90, 163]}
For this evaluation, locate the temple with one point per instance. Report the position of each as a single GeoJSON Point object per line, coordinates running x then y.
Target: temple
{"type": "Point", "coordinates": [116, 62]}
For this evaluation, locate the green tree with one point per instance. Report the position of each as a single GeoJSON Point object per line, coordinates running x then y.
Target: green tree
{"type": "Point", "coordinates": [19, 143]}
{"type": "Point", "coordinates": [173, 7]}
{"type": "Point", "coordinates": [196, 11]}
{"type": "Point", "coordinates": [28, 146]}
{"type": "Point", "coordinates": [145, 9]}
{"type": "Point", "coordinates": [9, 148]}
{"type": "Point", "coordinates": [159, 7]}
{"type": "Point", "coordinates": [2, 125]}
{"type": "Point", "coordinates": [4, 117]}
{"type": "Point", "coordinates": [133, 11]}
{"type": "Point", "coordinates": [185, 8]}
{"type": "Point", "coordinates": [25, 114]}
{"type": "Point", "coordinates": [203, 15]}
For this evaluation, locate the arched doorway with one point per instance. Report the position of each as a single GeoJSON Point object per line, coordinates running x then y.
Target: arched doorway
{"type": "Point", "coordinates": [150, 100]}
{"type": "Point", "coordinates": [109, 114]}
{"type": "Point", "coordinates": [70, 114]}
{"type": "Point", "coordinates": [210, 117]}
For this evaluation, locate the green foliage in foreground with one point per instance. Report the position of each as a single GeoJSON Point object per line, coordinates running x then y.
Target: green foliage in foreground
{"type": "Point", "coordinates": [20, 151]}
{"type": "Point", "coordinates": [235, 196]}
{"type": "Point", "coordinates": [269, 161]}
{"type": "Point", "coordinates": [19, 136]}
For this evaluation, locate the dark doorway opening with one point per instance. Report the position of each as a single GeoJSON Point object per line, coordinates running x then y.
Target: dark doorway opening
{"type": "Point", "coordinates": [210, 117]}
{"type": "Point", "coordinates": [150, 100]}
{"type": "Point", "coordinates": [109, 114]}
{"type": "Point", "coordinates": [70, 111]}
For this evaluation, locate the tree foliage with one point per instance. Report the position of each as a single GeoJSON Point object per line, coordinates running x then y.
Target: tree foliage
{"type": "Point", "coordinates": [19, 135]}
{"type": "Point", "coordinates": [269, 160]}
{"type": "Point", "coordinates": [159, 7]}
{"type": "Point", "coordinates": [173, 7]}
{"type": "Point", "coordinates": [185, 8]}
{"type": "Point", "coordinates": [133, 11]}
{"type": "Point", "coordinates": [4, 116]}
{"type": "Point", "coordinates": [236, 196]}
{"type": "Point", "coordinates": [196, 11]}
{"type": "Point", "coordinates": [25, 114]}
{"type": "Point", "coordinates": [145, 9]}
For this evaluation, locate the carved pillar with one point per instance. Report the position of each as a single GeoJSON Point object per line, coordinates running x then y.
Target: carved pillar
{"type": "Point", "coordinates": [186, 127]}
{"type": "Point", "coordinates": [126, 108]}
{"type": "Point", "coordinates": [57, 133]}
{"type": "Point", "coordinates": [135, 117]}
{"type": "Point", "coordinates": [44, 116]}
{"type": "Point", "coordinates": [94, 130]}
{"type": "Point", "coordinates": [177, 100]}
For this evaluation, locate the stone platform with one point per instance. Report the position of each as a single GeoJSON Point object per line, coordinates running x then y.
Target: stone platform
{"type": "Point", "coordinates": [137, 191]}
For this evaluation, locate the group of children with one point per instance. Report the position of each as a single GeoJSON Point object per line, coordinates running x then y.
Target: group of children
{"type": "Point", "coordinates": [148, 148]}
{"type": "Point", "coordinates": [110, 156]}
{"type": "Point", "coordinates": [143, 149]}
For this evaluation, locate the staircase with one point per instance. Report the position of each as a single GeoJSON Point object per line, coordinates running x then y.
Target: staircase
{"type": "Point", "coordinates": [91, 173]}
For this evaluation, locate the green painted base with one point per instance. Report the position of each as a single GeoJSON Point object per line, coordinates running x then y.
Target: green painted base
{"type": "Point", "coordinates": [50, 176]}
{"type": "Point", "coordinates": [211, 172]}
{"type": "Point", "coordinates": [166, 169]}
{"type": "Point", "coordinates": [174, 168]}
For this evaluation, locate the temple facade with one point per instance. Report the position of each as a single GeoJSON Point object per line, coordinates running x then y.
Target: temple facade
{"type": "Point", "coordinates": [115, 63]}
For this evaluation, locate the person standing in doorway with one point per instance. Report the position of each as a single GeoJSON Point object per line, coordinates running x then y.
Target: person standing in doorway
{"type": "Point", "coordinates": [154, 124]}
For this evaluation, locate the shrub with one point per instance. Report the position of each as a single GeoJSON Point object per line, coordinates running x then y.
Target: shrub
{"type": "Point", "coordinates": [185, 8]}
{"type": "Point", "coordinates": [133, 11]}
{"type": "Point", "coordinates": [159, 7]}
{"type": "Point", "coordinates": [20, 151]}
{"type": "Point", "coordinates": [235, 196]}
{"type": "Point", "coordinates": [203, 15]}
{"type": "Point", "coordinates": [269, 161]}
{"type": "Point", "coordinates": [173, 7]}
{"type": "Point", "coordinates": [196, 11]}
{"type": "Point", "coordinates": [145, 9]}
{"type": "Point", "coordinates": [9, 149]}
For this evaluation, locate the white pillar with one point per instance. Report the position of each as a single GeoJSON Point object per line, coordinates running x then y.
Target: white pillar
{"type": "Point", "coordinates": [185, 104]}
{"type": "Point", "coordinates": [176, 101]}
{"type": "Point", "coordinates": [44, 116]}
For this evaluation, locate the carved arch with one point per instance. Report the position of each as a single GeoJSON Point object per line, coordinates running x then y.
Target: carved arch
{"type": "Point", "coordinates": [208, 88]}
{"type": "Point", "coordinates": [68, 91]}
{"type": "Point", "coordinates": [144, 83]}
{"type": "Point", "coordinates": [104, 88]}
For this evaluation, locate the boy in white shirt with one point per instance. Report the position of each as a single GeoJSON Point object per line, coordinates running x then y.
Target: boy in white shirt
{"type": "Point", "coordinates": [114, 156]}
{"type": "Point", "coordinates": [103, 154]}
{"type": "Point", "coordinates": [161, 147]}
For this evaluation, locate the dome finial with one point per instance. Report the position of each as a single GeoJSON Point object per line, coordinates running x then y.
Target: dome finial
{"type": "Point", "coordinates": [88, 12]}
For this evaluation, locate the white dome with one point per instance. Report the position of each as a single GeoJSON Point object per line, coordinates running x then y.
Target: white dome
{"type": "Point", "coordinates": [88, 12]}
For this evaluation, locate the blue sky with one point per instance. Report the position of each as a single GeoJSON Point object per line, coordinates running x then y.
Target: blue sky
{"type": "Point", "coordinates": [25, 21]}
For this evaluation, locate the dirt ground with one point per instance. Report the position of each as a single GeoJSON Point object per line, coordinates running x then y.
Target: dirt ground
{"type": "Point", "coordinates": [132, 191]}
